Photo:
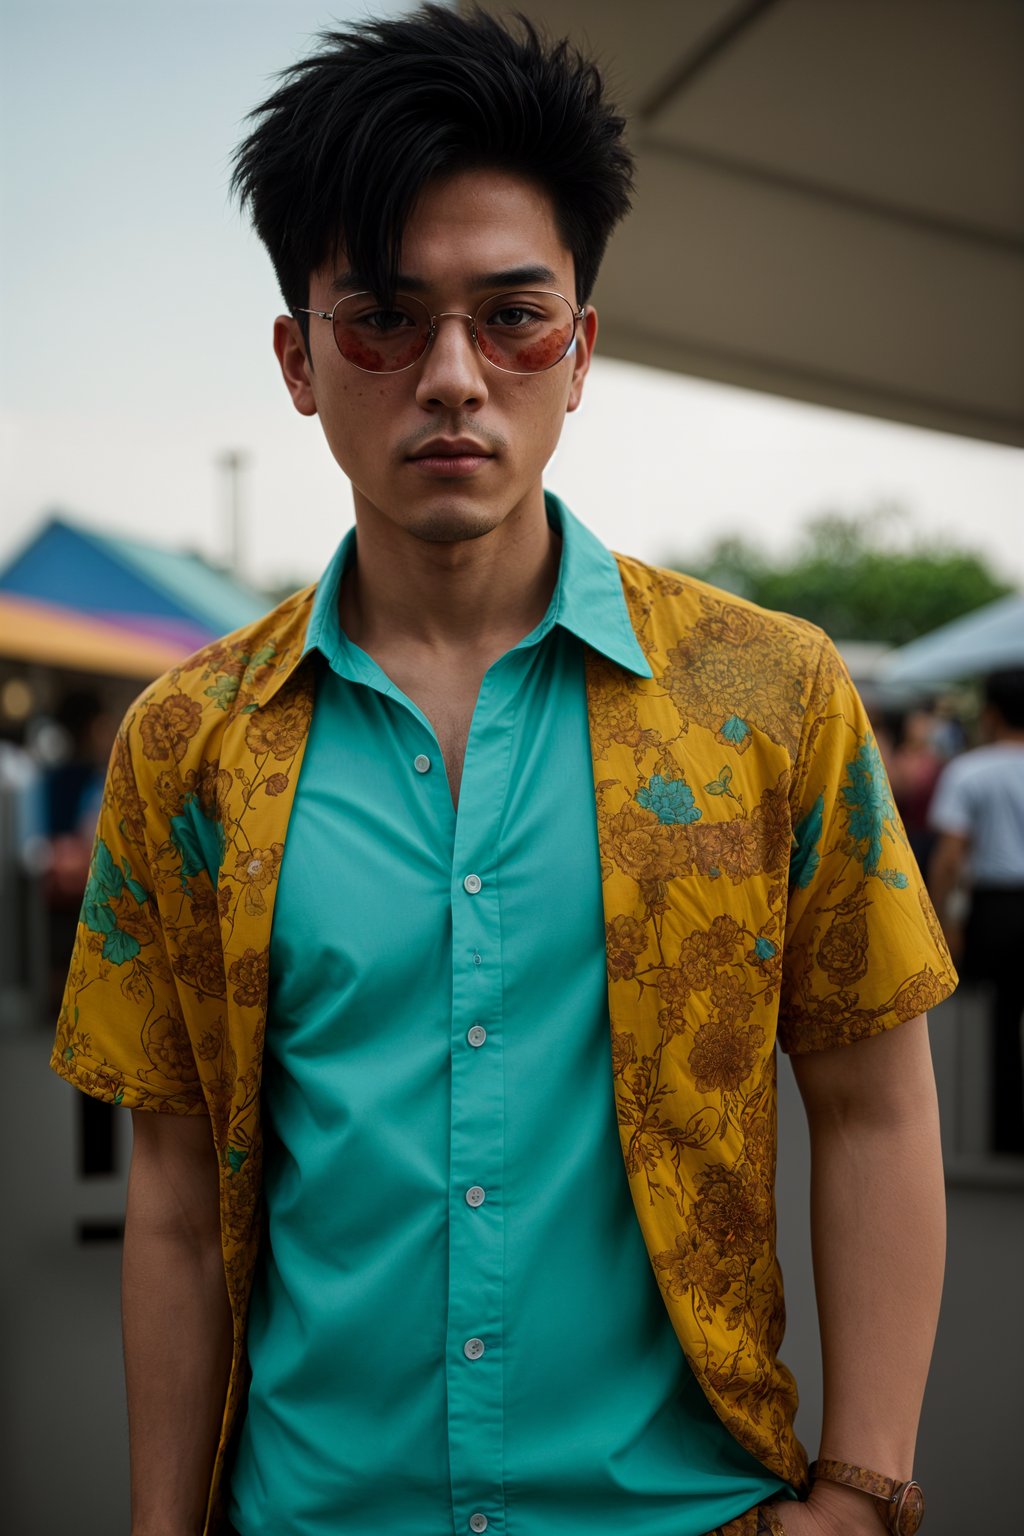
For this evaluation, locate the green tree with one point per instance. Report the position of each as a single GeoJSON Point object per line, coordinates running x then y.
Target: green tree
{"type": "Point", "coordinates": [847, 576]}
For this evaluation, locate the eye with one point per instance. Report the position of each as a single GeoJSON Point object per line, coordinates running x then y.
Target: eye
{"type": "Point", "coordinates": [513, 316]}
{"type": "Point", "coordinates": [386, 321]}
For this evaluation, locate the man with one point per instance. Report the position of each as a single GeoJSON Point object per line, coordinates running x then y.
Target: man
{"type": "Point", "coordinates": [978, 816]}
{"type": "Point", "coordinates": [542, 792]}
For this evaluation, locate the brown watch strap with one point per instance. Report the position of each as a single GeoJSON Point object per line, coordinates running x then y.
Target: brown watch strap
{"type": "Point", "coordinates": [903, 1502]}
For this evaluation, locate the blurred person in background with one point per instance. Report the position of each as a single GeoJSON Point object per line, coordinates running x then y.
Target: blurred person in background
{"type": "Point", "coordinates": [914, 764]}
{"type": "Point", "coordinates": [977, 815]}
{"type": "Point", "coordinates": [574, 843]}
{"type": "Point", "coordinates": [22, 845]}
{"type": "Point", "coordinates": [948, 736]}
{"type": "Point", "coordinates": [79, 737]}
{"type": "Point", "coordinates": [74, 783]}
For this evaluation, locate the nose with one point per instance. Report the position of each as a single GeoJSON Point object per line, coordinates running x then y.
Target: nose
{"type": "Point", "coordinates": [452, 371]}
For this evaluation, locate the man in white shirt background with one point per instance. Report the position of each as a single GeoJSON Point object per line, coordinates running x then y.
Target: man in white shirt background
{"type": "Point", "coordinates": [978, 813]}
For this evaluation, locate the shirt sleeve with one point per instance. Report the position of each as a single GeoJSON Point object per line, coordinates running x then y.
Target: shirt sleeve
{"type": "Point", "coordinates": [951, 809]}
{"type": "Point", "coordinates": [863, 949]}
{"type": "Point", "coordinates": [121, 1035]}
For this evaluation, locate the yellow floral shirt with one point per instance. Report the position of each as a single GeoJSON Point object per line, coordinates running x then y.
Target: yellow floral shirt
{"type": "Point", "coordinates": [757, 883]}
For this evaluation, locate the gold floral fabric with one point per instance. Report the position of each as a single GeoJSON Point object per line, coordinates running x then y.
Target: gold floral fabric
{"type": "Point", "coordinates": [757, 886]}
{"type": "Point", "coordinates": [761, 1520]}
{"type": "Point", "coordinates": [166, 999]}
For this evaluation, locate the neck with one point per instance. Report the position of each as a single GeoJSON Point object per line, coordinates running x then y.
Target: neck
{"type": "Point", "coordinates": [479, 594]}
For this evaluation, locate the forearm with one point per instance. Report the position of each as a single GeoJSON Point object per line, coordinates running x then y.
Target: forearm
{"type": "Point", "coordinates": [945, 871]}
{"type": "Point", "coordinates": [942, 882]}
{"type": "Point", "coordinates": [878, 1228]}
{"type": "Point", "coordinates": [177, 1343]}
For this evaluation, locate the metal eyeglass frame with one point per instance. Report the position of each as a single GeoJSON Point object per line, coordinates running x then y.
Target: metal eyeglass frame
{"type": "Point", "coordinates": [452, 314]}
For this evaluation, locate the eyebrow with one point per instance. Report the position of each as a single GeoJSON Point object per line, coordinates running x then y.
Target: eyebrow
{"type": "Point", "coordinates": [509, 277]}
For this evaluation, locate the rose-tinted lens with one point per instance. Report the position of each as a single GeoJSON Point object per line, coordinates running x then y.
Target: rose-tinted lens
{"type": "Point", "coordinates": [525, 332]}
{"type": "Point", "coordinates": [381, 338]}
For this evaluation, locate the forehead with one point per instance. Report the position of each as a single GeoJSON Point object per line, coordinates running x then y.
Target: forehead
{"type": "Point", "coordinates": [468, 229]}
{"type": "Point", "coordinates": [481, 204]}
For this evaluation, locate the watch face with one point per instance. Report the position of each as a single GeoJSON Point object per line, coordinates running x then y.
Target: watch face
{"type": "Point", "coordinates": [909, 1511]}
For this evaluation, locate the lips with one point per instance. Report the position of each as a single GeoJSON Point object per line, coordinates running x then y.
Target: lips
{"type": "Point", "coordinates": [452, 458]}
{"type": "Point", "coordinates": [451, 448]}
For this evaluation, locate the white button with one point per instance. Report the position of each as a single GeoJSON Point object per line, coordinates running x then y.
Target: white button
{"type": "Point", "coordinates": [478, 959]}
{"type": "Point", "coordinates": [421, 764]}
{"type": "Point", "coordinates": [254, 866]}
{"type": "Point", "coordinates": [478, 1522]}
{"type": "Point", "coordinates": [476, 1035]}
{"type": "Point", "coordinates": [472, 884]}
{"type": "Point", "coordinates": [473, 1349]}
{"type": "Point", "coordinates": [476, 1195]}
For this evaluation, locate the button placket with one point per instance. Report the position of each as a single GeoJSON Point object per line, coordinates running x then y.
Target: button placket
{"type": "Point", "coordinates": [476, 1219]}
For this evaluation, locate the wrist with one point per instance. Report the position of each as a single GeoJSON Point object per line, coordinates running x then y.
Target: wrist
{"type": "Point", "coordinates": [167, 1525]}
{"type": "Point", "coordinates": [899, 1503]}
{"type": "Point", "coordinates": [163, 1528]}
{"type": "Point", "coordinates": [850, 1509]}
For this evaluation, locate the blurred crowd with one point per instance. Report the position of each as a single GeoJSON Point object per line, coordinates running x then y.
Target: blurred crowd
{"type": "Point", "coordinates": [955, 764]}
{"type": "Point", "coordinates": [52, 770]}
{"type": "Point", "coordinates": [960, 794]}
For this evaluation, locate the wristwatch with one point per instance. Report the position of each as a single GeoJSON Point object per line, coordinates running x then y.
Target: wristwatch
{"type": "Point", "coordinates": [902, 1503]}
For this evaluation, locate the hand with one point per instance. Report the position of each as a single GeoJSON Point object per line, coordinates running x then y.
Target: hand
{"type": "Point", "coordinates": [830, 1510]}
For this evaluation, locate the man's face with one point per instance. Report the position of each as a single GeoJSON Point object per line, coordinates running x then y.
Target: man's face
{"type": "Point", "coordinates": [464, 234]}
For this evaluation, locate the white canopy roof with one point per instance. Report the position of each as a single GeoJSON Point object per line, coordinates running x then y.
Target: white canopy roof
{"type": "Point", "coordinates": [830, 201]}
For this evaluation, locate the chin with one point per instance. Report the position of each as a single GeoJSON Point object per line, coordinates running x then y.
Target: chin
{"type": "Point", "coordinates": [451, 522]}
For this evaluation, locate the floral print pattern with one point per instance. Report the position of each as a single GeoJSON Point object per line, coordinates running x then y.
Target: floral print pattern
{"type": "Point", "coordinates": [751, 863]}
{"type": "Point", "coordinates": [758, 889]}
{"type": "Point", "coordinates": [165, 1006]}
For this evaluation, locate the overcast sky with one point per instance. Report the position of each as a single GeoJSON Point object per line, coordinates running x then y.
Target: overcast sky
{"type": "Point", "coordinates": [136, 325]}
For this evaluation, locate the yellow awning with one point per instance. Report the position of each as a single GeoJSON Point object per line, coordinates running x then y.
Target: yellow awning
{"type": "Point", "coordinates": [47, 635]}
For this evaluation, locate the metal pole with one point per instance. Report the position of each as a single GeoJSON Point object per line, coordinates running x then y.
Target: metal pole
{"type": "Point", "coordinates": [233, 462]}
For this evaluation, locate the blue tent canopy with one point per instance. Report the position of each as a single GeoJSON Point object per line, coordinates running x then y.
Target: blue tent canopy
{"type": "Point", "coordinates": [984, 641]}
{"type": "Point", "coordinates": [164, 591]}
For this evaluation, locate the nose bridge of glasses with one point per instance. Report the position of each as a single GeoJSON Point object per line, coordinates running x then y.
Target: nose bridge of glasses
{"type": "Point", "coordinates": [453, 314]}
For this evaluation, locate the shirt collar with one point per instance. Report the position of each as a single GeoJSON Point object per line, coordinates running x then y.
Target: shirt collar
{"type": "Point", "coordinates": [323, 632]}
{"type": "Point", "coordinates": [588, 599]}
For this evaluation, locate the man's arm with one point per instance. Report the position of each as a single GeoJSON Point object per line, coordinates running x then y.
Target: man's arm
{"type": "Point", "coordinates": [944, 871]}
{"type": "Point", "coordinates": [878, 1237]}
{"type": "Point", "coordinates": [177, 1322]}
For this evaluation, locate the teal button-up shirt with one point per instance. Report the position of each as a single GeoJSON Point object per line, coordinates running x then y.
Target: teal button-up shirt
{"type": "Point", "coordinates": [455, 1326]}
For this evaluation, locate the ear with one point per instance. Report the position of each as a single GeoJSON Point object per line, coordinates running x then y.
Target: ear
{"type": "Point", "coordinates": [586, 336]}
{"type": "Point", "coordinates": [296, 368]}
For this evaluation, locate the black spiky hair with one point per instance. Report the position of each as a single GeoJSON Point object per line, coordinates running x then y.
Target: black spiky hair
{"type": "Point", "coordinates": [353, 133]}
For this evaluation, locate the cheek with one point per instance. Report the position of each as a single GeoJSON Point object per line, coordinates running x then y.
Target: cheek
{"type": "Point", "coordinates": [353, 418]}
{"type": "Point", "coordinates": [539, 406]}
{"type": "Point", "coordinates": [354, 408]}
{"type": "Point", "coordinates": [364, 355]}
{"type": "Point", "coordinates": [543, 354]}
{"type": "Point", "coordinates": [361, 355]}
